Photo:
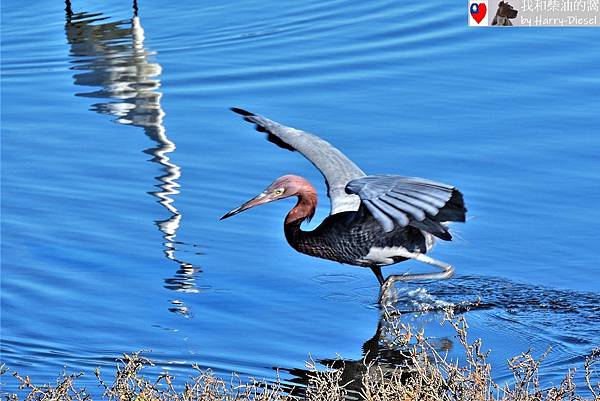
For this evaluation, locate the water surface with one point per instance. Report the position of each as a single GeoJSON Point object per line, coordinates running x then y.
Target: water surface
{"type": "Point", "coordinates": [119, 155]}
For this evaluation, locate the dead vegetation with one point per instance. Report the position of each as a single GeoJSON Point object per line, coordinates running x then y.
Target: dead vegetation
{"type": "Point", "coordinates": [426, 374]}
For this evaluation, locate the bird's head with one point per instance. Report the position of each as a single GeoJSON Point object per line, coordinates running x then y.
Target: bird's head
{"type": "Point", "coordinates": [281, 188]}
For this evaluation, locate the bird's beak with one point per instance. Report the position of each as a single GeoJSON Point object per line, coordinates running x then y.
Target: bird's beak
{"type": "Point", "coordinates": [258, 200]}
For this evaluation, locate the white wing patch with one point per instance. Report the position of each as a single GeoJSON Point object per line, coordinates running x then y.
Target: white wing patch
{"type": "Point", "coordinates": [385, 256]}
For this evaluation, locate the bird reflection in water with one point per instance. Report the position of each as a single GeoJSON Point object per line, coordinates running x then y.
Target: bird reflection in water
{"type": "Point", "coordinates": [110, 58]}
{"type": "Point", "coordinates": [382, 353]}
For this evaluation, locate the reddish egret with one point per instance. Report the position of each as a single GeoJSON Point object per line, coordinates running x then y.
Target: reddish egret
{"type": "Point", "coordinates": [375, 220]}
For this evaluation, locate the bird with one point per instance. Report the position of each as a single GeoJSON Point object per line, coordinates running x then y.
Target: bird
{"type": "Point", "coordinates": [374, 221]}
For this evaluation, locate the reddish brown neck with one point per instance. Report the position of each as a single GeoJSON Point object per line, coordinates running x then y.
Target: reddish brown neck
{"type": "Point", "coordinates": [306, 206]}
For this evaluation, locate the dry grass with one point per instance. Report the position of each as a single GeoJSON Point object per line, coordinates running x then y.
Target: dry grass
{"type": "Point", "coordinates": [426, 374]}
{"type": "Point", "coordinates": [430, 375]}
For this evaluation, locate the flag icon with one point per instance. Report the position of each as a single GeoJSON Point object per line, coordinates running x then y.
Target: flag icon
{"type": "Point", "coordinates": [478, 13]}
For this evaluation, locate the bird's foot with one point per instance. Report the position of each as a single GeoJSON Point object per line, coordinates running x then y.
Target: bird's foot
{"type": "Point", "coordinates": [388, 295]}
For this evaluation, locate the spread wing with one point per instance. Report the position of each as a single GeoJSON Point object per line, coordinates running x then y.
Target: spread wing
{"type": "Point", "coordinates": [396, 200]}
{"type": "Point", "coordinates": [337, 169]}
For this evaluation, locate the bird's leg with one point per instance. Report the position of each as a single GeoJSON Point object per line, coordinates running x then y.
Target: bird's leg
{"type": "Point", "coordinates": [387, 293]}
{"type": "Point", "coordinates": [446, 272]}
{"type": "Point", "coordinates": [385, 286]}
{"type": "Point", "coordinates": [377, 271]}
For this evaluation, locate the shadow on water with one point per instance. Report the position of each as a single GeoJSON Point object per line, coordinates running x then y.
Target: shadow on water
{"type": "Point", "coordinates": [109, 57]}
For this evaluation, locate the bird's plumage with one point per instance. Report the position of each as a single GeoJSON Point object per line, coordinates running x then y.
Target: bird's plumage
{"type": "Point", "coordinates": [375, 220]}
{"type": "Point", "coordinates": [397, 200]}
{"type": "Point", "coordinates": [349, 237]}
{"type": "Point", "coordinates": [337, 169]}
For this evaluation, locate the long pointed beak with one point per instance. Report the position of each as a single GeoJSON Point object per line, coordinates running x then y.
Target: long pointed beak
{"type": "Point", "coordinates": [258, 200]}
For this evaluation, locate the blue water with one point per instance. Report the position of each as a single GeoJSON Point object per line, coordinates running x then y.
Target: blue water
{"type": "Point", "coordinates": [119, 155]}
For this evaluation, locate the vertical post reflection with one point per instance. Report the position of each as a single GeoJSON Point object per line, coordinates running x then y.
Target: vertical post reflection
{"type": "Point", "coordinates": [109, 57]}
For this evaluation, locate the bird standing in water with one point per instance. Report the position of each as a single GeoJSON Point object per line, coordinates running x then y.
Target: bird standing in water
{"type": "Point", "coordinates": [375, 220]}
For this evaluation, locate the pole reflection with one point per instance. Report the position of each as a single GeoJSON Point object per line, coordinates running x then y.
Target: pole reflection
{"type": "Point", "coordinates": [110, 60]}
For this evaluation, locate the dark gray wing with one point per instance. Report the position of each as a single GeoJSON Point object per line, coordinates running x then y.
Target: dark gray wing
{"type": "Point", "coordinates": [396, 200]}
{"type": "Point", "coordinates": [337, 169]}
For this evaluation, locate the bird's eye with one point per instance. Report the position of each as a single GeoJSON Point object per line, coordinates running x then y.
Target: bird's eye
{"type": "Point", "coordinates": [279, 191]}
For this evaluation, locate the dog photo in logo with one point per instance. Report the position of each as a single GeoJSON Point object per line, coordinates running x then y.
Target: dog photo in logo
{"type": "Point", "coordinates": [478, 13]}
{"type": "Point", "coordinates": [504, 14]}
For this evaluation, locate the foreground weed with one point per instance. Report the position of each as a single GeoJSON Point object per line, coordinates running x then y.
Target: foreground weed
{"type": "Point", "coordinates": [426, 374]}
